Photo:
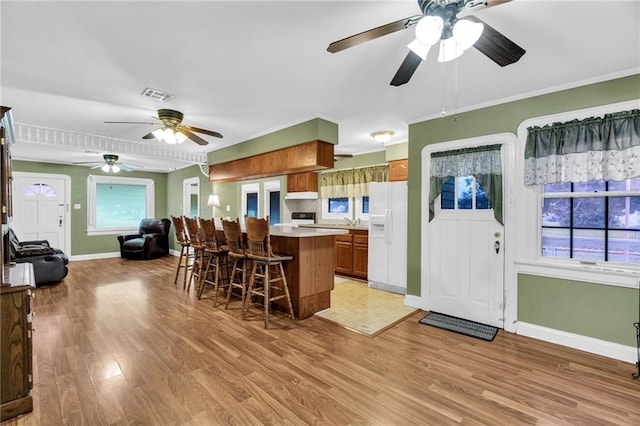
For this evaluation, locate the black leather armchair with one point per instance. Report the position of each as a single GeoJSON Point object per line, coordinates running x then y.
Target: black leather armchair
{"type": "Point", "coordinates": [151, 241]}
{"type": "Point", "coordinates": [49, 264]}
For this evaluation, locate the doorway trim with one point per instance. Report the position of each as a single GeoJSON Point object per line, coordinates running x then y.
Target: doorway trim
{"type": "Point", "coordinates": [508, 142]}
{"type": "Point", "coordinates": [67, 208]}
{"type": "Point", "coordinates": [187, 191]}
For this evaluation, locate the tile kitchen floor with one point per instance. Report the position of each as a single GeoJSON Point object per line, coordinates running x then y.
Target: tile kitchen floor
{"type": "Point", "coordinates": [362, 309]}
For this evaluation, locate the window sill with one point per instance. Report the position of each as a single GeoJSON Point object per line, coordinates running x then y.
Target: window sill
{"type": "Point", "coordinates": [615, 276]}
{"type": "Point", "coordinates": [111, 231]}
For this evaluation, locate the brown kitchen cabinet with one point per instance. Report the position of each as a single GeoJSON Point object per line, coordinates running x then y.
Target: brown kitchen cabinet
{"type": "Point", "coordinates": [15, 338]}
{"type": "Point", "coordinates": [302, 182]}
{"type": "Point", "coordinates": [352, 253]}
{"type": "Point", "coordinates": [398, 170]}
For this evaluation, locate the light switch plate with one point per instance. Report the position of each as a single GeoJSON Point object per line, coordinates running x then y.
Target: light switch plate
{"type": "Point", "coordinates": [76, 206]}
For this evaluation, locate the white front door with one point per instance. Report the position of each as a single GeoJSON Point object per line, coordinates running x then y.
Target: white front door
{"type": "Point", "coordinates": [40, 208]}
{"type": "Point", "coordinates": [465, 270]}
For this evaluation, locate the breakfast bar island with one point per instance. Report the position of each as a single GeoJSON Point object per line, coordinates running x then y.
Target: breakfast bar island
{"type": "Point", "coordinates": [310, 275]}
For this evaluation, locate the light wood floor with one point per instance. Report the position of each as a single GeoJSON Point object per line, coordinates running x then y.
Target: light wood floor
{"type": "Point", "coordinates": [118, 344]}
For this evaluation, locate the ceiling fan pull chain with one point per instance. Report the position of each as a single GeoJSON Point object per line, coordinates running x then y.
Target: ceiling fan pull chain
{"type": "Point", "coordinates": [443, 112]}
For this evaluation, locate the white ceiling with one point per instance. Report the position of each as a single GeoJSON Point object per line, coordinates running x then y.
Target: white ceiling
{"type": "Point", "coordinates": [247, 68]}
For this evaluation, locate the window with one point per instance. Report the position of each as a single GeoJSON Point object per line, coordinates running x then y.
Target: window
{"type": "Point", "coordinates": [38, 189]}
{"type": "Point", "coordinates": [250, 201]}
{"type": "Point", "coordinates": [346, 208]}
{"type": "Point", "coordinates": [596, 221]}
{"type": "Point", "coordinates": [272, 200]}
{"type": "Point", "coordinates": [463, 193]}
{"type": "Point", "coordinates": [118, 204]}
{"type": "Point", "coordinates": [337, 208]}
{"type": "Point", "coordinates": [362, 207]}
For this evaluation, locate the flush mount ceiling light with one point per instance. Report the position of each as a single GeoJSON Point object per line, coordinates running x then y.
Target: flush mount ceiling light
{"type": "Point", "coordinates": [382, 136]}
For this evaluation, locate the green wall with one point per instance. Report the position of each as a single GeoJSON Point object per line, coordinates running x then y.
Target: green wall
{"type": "Point", "coordinates": [575, 303]}
{"type": "Point", "coordinates": [600, 311]}
{"type": "Point", "coordinates": [81, 243]}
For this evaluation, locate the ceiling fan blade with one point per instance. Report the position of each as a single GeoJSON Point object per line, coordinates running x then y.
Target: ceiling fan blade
{"type": "Point", "coordinates": [86, 163]}
{"type": "Point", "coordinates": [406, 70]}
{"type": "Point", "coordinates": [197, 139]}
{"type": "Point", "coordinates": [373, 33]}
{"type": "Point", "coordinates": [130, 122]}
{"type": "Point", "coordinates": [203, 131]}
{"type": "Point", "coordinates": [495, 46]}
{"type": "Point", "coordinates": [129, 167]}
{"type": "Point", "coordinates": [149, 135]}
{"type": "Point", "coordinates": [491, 3]}
{"type": "Point", "coordinates": [342, 155]}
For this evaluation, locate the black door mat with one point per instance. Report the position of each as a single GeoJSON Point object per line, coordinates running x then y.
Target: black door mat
{"type": "Point", "coordinates": [459, 325]}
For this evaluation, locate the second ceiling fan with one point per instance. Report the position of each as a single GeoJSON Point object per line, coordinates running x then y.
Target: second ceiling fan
{"type": "Point", "coordinates": [439, 23]}
{"type": "Point", "coordinates": [172, 130]}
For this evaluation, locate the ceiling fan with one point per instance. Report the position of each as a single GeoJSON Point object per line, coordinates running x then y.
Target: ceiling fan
{"type": "Point", "coordinates": [171, 129]}
{"type": "Point", "coordinates": [110, 164]}
{"type": "Point", "coordinates": [439, 23]}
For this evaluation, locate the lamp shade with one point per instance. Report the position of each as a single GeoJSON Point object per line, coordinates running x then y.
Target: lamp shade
{"type": "Point", "coordinates": [465, 34]}
{"type": "Point", "coordinates": [429, 30]}
{"type": "Point", "coordinates": [213, 201]}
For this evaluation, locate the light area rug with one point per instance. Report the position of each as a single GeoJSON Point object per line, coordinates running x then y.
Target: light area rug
{"type": "Point", "coordinates": [362, 309]}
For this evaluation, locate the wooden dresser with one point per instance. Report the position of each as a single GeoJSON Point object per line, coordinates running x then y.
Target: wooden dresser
{"type": "Point", "coordinates": [16, 375]}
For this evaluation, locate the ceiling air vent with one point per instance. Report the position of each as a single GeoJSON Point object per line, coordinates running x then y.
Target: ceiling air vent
{"type": "Point", "coordinates": [158, 95]}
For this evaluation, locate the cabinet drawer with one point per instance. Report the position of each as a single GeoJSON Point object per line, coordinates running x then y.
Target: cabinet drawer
{"type": "Point", "coordinates": [360, 239]}
{"type": "Point", "coordinates": [344, 237]}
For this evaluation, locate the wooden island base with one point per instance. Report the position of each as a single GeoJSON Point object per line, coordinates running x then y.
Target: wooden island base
{"type": "Point", "coordinates": [310, 275]}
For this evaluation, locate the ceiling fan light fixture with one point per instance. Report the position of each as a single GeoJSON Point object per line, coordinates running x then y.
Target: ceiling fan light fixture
{"type": "Point", "coordinates": [115, 168]}
{"type": "Point", "coordinates": [158, 134]}
{"type": "Point", "coordinates": [383, 136]}
{"type": "Point", "coordinates": [169, 137]}
{"type": "Point", "coordinates": [429, 30]}
{"type": "Point", "coordinates": [449, 50]}
{"type": "Point", "coordinates": [467, 32]}
{"type": "Point", "coordinates": [106, 168]}
{"type": "Point", "coordinates": [180, 137]}
{"type": "Point", "coordinates": [465, 35]}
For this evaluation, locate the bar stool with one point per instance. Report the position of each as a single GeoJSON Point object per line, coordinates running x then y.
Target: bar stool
{"type": "Point", "coordinates": [181, 238]}
{"type": "Point", "coordinates": [216, 271]}
{"type": "Point", "coordinates": [191, 231]}
{"type": "Point", "coordinates": [237, 253]}
{"type": "Point", "coordinates": [265, 263]}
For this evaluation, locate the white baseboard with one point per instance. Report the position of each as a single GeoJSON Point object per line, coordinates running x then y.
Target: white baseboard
{"type": "Point", "coordinates": [107, 255]}
{"type": "Point", "coordinates": [577, 341]}
{"type": "Point", "coordinates": [413, 301]}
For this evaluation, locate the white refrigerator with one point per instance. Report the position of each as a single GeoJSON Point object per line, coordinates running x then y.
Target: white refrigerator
{"type": "Point", "coordinates": [387, 268]}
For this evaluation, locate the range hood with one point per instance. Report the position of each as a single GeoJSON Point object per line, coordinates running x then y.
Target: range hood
{"type": "Point", "coordinates": [301, 196]}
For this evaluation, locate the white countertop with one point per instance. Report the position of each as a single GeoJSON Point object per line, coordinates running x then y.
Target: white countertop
{"type": "Point", "coordinates": [299, 232]}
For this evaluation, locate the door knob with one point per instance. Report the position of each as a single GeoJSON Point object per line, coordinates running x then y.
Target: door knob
{"type": "Point", "coordinates": [496, 246]}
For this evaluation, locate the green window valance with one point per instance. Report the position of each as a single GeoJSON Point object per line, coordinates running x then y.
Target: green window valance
{"type": "Point", "coordinates": [596, 148]}
{"type": "Point", "coordinates": [351, 182]}
{"type": "Point", "coordinates": [482, 162]}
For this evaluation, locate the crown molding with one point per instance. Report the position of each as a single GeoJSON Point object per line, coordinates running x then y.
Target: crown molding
{"type": "Point", "coordinates": [29, 133]}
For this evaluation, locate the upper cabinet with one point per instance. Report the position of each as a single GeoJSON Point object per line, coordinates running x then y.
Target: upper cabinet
{"type": "Point", "coordinates": [302, 182]}
{"type": "Point", "coordinates": [398, 170]}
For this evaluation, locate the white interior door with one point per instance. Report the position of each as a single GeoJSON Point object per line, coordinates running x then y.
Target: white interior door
{"type": "Point", "coordinates": [466, 277]}
{"type": "Point", "coordinates": [40, 208]}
